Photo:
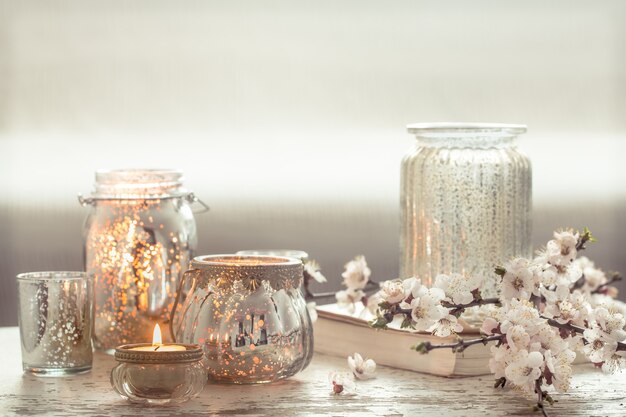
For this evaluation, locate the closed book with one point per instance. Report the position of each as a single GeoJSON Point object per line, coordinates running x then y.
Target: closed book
{"type": "Point", "coordinates": [339, 333]}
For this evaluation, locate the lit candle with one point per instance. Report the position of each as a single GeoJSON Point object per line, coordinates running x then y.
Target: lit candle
{"type": "Point", "coordinates": [157, 343]}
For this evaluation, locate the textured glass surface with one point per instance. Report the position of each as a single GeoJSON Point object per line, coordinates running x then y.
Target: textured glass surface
{"type": "Point", "coordinates": [55, 319]}
{"type": "Point", "coordinates": [158, 384]}
{"type": "Point", "coordinates": [250, 319]}
{"type": "Point", "coordinates": [136, 247]}
{"type": "Point", "coordinates": [465, 203]}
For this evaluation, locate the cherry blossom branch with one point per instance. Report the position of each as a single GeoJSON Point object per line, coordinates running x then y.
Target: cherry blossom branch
{"type": "Point", "coordinates": [576, 329]}
{"type": "Point", "coordinates": [395, 309]}
{"type": "Point", "coordinates": [540, 405]}
{"type": "Point", "coordinates": [615, 276]}
{"type": "Point", "coordinates": [459, 346]}
{"type": "Point", "coordinates": [584, 238]}
{"type": "Point", "coordinates": [457, 309]}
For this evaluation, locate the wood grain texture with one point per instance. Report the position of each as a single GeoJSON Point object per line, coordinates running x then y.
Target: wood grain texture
{"type": "Point", "coordinates": [392, 393]}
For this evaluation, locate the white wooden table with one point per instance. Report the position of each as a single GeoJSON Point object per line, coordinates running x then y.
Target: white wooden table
{"type": "Point", "coordinates": [392, 393]}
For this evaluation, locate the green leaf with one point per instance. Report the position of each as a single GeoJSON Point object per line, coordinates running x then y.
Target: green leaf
{"type": "Point", "coordinates": [378, 323]}
{"type": "Point", "coordinates": [384, 305]}
{"type": "Point", "coordinates": [421, 348]}
{"type": "Point", "coordinates": [407, 323]}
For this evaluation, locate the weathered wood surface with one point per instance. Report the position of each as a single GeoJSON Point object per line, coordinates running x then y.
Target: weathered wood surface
{"type": "Point", "coordinates": [392, 393]}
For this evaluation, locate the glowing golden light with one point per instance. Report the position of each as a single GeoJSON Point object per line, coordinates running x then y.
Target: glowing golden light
{"type": "Point", "coordinates": [156, 336]}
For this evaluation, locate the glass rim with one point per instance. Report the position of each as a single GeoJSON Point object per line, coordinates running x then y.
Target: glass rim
{"type": "Point", "coordinates": [459, 127]}
{"type": "Point", "coordinates": [54, 276]}
{"type": "Point", "coordinates": [102, 175]}
{"type": "Point", "coordinates": [288, 253]}
{"type": "Point", "coordinates": [138, 183]}
{"type": "Point", "coordinates": [245, 261]}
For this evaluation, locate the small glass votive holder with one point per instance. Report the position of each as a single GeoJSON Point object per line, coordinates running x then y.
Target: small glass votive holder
{"type": "Point", "coordinates": [55, 317]}
{"type": "Point", "coordinates": [145, 375]}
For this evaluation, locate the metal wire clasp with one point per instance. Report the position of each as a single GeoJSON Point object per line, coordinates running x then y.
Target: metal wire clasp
{"type": "Point", "coordinates": [85, 201]}
{"type": "Point", "coordinates": [192, 198]}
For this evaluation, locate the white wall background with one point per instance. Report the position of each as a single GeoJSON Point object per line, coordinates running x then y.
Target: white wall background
{"type": "Point", "coordinates": [288, 116]}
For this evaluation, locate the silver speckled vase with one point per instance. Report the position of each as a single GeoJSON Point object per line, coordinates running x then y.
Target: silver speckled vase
{"type": "Point", "coordinates": [466, 201]}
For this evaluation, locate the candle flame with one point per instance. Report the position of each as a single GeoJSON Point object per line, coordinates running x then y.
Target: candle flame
{"type": "Point", "coordinates": [156, 336]}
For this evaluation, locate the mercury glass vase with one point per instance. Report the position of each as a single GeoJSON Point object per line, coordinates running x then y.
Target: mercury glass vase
{"type": "Point", "coordinates": [248, 314]}
{"type": "Point", "coordinates": [56, 321]}
{"type": "Point", "coordinates": [465, 201]}
{"type": "Point", "coordinates": [140, 235]}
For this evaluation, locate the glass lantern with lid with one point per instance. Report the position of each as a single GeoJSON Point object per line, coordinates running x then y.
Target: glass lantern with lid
{"type": "Point", "coordinates": [139, 237]}
{"type": "Point", "coordinates": [466, 201]}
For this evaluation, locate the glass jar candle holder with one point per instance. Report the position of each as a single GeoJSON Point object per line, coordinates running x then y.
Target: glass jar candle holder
{"type": "Point", "coordinates": [148, 375]}
{"type": "Point", "coordinates": [55, 319]}
{"type": "Point", "coordinates": [466, 201]}
{"type": "Point", "coordinates": [248, 314]}
{"type": "Point", "coordinates": [139, 237]}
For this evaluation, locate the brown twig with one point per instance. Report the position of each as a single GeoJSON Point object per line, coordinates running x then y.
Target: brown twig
{"type": "Point", "coordinates": [577, 329]}
{"type": "Point", "coordinates": [540, 404]}
{"type": "Point", "coordinates": [459, 346]}
{"type": "Point", "coordinates": [615, 276]}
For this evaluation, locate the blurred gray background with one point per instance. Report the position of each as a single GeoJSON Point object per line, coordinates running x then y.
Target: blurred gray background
{"type": "Point", "coordinates": [288, 116]}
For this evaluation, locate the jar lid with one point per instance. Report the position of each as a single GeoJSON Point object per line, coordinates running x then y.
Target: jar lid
{"type": "Point", "coordinates": [142, 183]}
{"type": "Point", "coordinates": [125, 353]}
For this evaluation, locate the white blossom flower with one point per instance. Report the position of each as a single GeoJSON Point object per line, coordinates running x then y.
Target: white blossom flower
{"type": "Point", "coordinates": [611, 323]}
{"type": "Point", "coordinates": [362, 369]}
{"type": "Point", "coordinates": [615, 363]}
{"type": "Point", "coordinates": [342, 383]}
{"type": "Point", "coordinates": [548, 338]}
{"type": "Point", "coordinates": [524, 370]}
{"type": "Point", "coordinates": [517, 338]}
{"type": "Point", "coordinates": [457, 288]}
{"type": "Point", "coordinates": [561, 250]}
{"type": "Point", "coordinates": [523, 313]}
{"type": "Point", "coordinates": [565, 306]}
{"type": "Point", "coordinates": [312, 268]}
{"type": "Point", "coordinates": [446, 326]}
{"type": "Point", "coordinates": [519, 280]}
{"type": "Point", "coordinates": [489, 326]}
{"type": "Point", "coordinates": [603, 300]}
{"type": "Point", "coordinates": [560, 369]}
{"type": "Point", "coordinates": [347, 298]}
{"type": "Point", "coordinates": [594, 277]}
{"type": "Point", "coordinates": [356, 274]}
{"type": "Point", "coordinates": [373, 301]}
{"type": "Point", "coordinates": [568, 274]}
{"type": "Point", "coordinates": [413, 286]}
{"type": "Point", "coordinates": [426, 308]}
{"type": "Point", "coordinates": [545, 273]}
{"type": "Point", "coordinates": [500, 357]}
{"type": "Point", "coordinates": [392, 291]}
{"type": "Point", "coordinates": [311, 308]}
{"type": "Point", "coordinates": [598, 348]}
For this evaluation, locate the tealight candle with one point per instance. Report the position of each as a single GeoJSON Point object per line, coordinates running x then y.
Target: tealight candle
{"type": "Point", "coordinates": [157, 343]}
{"type": "Point", "coordinates": [158, 373]}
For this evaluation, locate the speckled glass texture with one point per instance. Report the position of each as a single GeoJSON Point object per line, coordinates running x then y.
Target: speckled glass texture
{"type": "Point", "coordinates": [56, 320]}
{"type": "Point", "coordinates": [248, 314]}
{"type": "Point", "coordinates": [465, 202]}
{"type": "Point", "coordinates": [139, 236]}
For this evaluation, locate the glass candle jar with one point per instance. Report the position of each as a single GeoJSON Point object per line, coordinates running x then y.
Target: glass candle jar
{"type": "Point", "coordinates": [306, 280]}
{"type": "Point", "coordinates": [139, 237]}
{"type": "Point", "coordinates": [248, 314]}
{"type": "Point", "coordinates": [465, 201]}
{"type": "Point", "coordinates": [146, 375]}
{"type": "Point", "coordinates": [56, 321]}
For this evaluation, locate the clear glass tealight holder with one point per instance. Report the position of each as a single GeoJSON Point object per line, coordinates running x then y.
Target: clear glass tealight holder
{"type": "Point", "coordinates": [56, 320]}
{"type": "Point", "coordinates": [158, 375]}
